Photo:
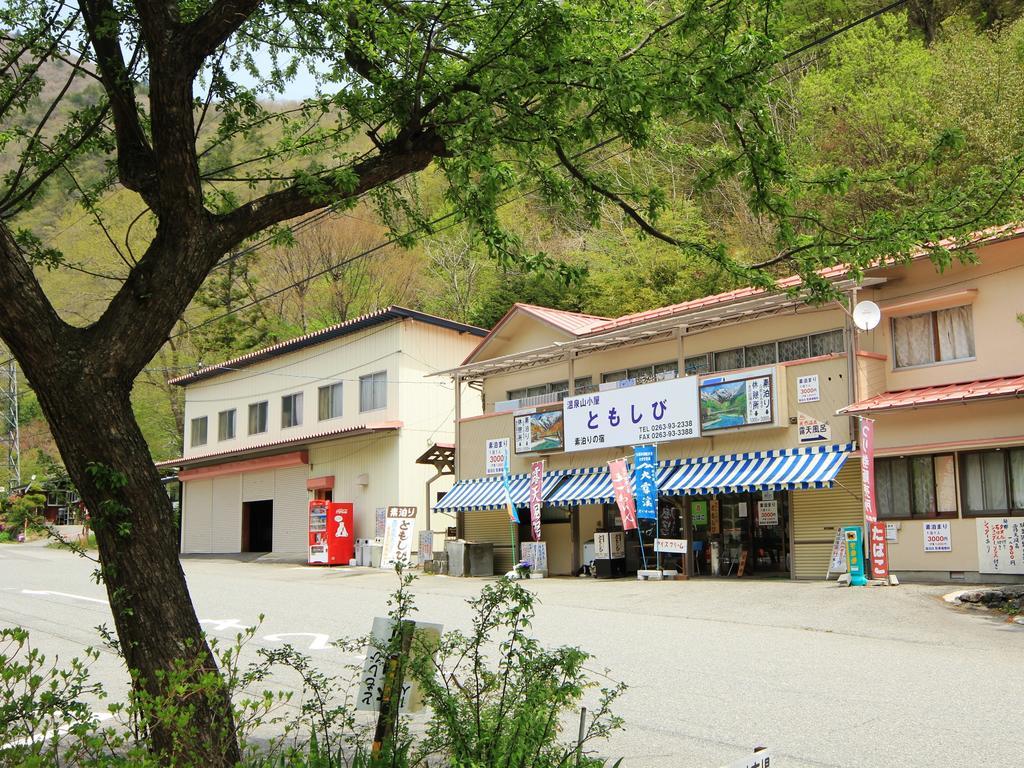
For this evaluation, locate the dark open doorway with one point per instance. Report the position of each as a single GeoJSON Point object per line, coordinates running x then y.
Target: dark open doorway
{"type": "Point", "coordinates": [258, 526]}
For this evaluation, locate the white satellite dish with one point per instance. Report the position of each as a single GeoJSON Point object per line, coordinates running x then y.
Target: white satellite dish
{"type": "Point", "coordinates": [866, 315]}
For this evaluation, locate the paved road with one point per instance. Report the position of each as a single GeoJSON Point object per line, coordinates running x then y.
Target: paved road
{"type": "Point", "coordinates": [827, 676]}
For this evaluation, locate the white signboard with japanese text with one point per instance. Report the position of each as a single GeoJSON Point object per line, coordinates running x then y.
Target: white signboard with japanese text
{"type": "Point", "coordinates": [763, 758]}
{"type": "Point", "coordinates": [371, 681]}
{"type": "Point", "coordinates": [937, 536]}
{"type": "Point", "coordinates": [810, 430]}
{"type": "Point", "coordinates": [1000, 545]}
{"type": "Point", "coordinates": [399, 532]}
{"type": "Point", "coordinates": [737, 400]}
{"type": "Point", "coordinates": [536, 554]}
{"type": "Point", "coordinates": [646, 413]}
{"type": "Point", "coordinates": [609, 546]}
{"type": "Point", "coordinates": [808, 390]}
{"type": "Point", "coordinates": [837, 563]}
{"type": "Point", "coordinates": [497, 453]}
{"type": "Point", "coordinates": [670, 546]}
{"type": "Point", "coordinates": [767, 513]}
{"type": "Point", "coordinates": [892, 532]}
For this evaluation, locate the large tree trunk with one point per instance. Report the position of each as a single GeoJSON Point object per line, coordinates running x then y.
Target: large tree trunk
{"type": "Point", "coordinates": [160, 636]}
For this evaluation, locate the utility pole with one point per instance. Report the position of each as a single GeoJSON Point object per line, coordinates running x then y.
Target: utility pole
{"type": "Point", "coordinates": [9, 431]}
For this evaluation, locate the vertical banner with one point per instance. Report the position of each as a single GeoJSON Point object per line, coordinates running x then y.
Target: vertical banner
{"type": "Point", "coordinates": [513, 515]}
{"type": "Point", "coordinates": [536, 497]}
{"type": "Point", "coordinates": [879, 551]}
{"type": "Point", "coordinates": [623, 493]}
{"type": "Point", "coordinates": [867, 468]}
{"type": "Point", "coordinates": [645, 481]}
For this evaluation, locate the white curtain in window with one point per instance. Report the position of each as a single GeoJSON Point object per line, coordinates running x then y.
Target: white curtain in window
{"type": "Point", "coordinates": [1017, 477]}
{"type": "Point", "coordinates": [956, 336]}
{"type": "Point", "coordinates": [912, 340]}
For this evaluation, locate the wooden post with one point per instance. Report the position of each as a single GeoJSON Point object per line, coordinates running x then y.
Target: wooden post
{"type": "Point", "coordinates": [391, 696]}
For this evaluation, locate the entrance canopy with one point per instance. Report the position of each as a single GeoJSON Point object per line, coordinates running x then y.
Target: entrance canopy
{"type": "Point", "coordinates": [484, 493]}
{"type": "Point", "coordinates": [783, 470]}
{"type": "Point", "coordinates": [594, 486]}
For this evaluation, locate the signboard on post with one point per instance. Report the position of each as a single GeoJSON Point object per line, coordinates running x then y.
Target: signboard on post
{"type": "Point", "coordinates": [538, 432]}
{"type": "Point", "coordinates": [699, 512]}
{"type": "Point", "coordinates": [879, 551]}
{"type": "Point", "coordinates": [646, 413]}
{"type": "Point", "coordinates": [938, 537]}
{"type": "Point", "coordinates": [536, 554]}
{"type": "Point", "coordinates": [645, 481]}
{"type": "Point", "coordinates": [371, 682]}
{"type": "Point", "coordinates": [623, 493]}
{"type": "Point", "coordinates": [738, 400]}
{"type": "Point", "coordinates": [1000, 545]}
{"type": "Point", "coordinates": [496, 456]}
{"type": "Point", "coordinates": [536, 497]}
{"type": "Point", "coordinates": [399, 527]}
{"type": "Point", "coordinates": [426, 546]}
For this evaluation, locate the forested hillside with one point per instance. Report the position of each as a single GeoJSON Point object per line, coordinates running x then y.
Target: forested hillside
{"type": "Point", "coordinates": [897, 114]}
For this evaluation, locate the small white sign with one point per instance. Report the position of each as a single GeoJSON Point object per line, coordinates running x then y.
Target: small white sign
{"type": "Point", "coordinates": [937, 537]}
{"type": "Point", "coordinates": [807, 389]}
{"type": "Point", "coordinates": [497, 454]}
{"type": "Point", "coordinates": [670, 546]}
{"type": "Point", "coordinates": [767, 495]}
{"type": "Point", "coordinates": [536, 554]}
{"type": "Point", "coordinates": [761, 759]}
{"type": "Point", "coordinates": [837, 564]}
{"type": "Point", "coordinates": [742, 506]}
{"type": "Point", "coordinates": [371, 682]}
{"type": "Point", "coordinates": [810, 430]}
{"type": "Point", "coordinates": [892, 532]}
{"type": "Point", "coordinates": [609, 546]}
{"type": "Point", "coordinates": [1000, 545]}
{"type": "Point", "coordinates": [399, 531]}
{"type": "Point", "coordinates": [767, 513]}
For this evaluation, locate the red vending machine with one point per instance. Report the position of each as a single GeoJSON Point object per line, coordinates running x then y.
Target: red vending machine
{"type": "Point", "coordinates": [331, 532]}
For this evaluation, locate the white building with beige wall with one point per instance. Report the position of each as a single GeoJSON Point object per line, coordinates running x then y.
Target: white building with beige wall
{"type": "Point", "coordinates": [942, 376]}
{"type": "Point", "coordinates": [341, 414]}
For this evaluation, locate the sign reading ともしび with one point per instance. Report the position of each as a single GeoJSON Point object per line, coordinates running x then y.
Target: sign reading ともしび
{"type": "Point", "coordinates": [399, 527]}
{"type": "Point", "coordinates": [645, 413]}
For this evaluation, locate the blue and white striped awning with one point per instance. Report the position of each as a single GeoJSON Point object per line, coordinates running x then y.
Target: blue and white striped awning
{"type": "Point", "coordinates": [594, 486]}
{"type": "Point", "coordinates": [782, 470]}
{"type": "Point", "coordinates": [484, 493]}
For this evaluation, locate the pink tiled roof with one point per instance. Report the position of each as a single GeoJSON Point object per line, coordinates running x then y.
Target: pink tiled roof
{"type": "Point", "coordinates": [575, 323]}
{"type": "Point", "coordinates": [290, 442]}
{"type": "Point", "coordinates": [1009, 386]}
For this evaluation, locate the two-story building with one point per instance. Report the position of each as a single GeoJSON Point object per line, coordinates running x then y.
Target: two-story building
{"type": "Point", "coordinates": [341, 414]}
{"type": "Point", "coordinates": [753, 399]}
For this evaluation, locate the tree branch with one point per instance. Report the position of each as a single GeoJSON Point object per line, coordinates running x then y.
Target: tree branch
{"type": "Point", "coordinates": [210, 31]}
{"type": "Point", "coordinates": [136, 164]}
{"type": "Point", "coordinates": [398, 158]}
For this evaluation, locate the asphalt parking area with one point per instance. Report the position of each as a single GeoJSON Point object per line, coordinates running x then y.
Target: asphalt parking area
{"type": "Point", "coordinates": [826, 676]}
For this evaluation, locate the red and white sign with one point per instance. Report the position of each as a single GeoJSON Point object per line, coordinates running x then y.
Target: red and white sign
{"type": "Point", "coordinates": [623, 489]}
{"type": "Point", "coordinates": [536, 497]}
{"type": "Point", "coordinates": [879, 551]}
{"type": "Point", "coordinates": [867, 468]}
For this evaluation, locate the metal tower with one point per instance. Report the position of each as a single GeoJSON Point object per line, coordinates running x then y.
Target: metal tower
{"type": "Point", "coordinates": [9, 432]}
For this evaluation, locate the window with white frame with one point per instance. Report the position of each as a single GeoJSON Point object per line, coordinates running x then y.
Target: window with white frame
{"type": "Point", "coordinates": [258, 417]}
{"type": "Point", "coordinates": [992, 482]}
{"type": "Point", "coordinates": [915, 486]}
{"type": "Point", "coordinates": [226, 425]}
{"type": "Point", "coordinates": [655, 372]}
{"type": "Point", "coordinates": [291, 410]}
{"type": "Point", "coordinates": [555, 387]}
{"type": "Point", "coordinates": [933, 337]}
{"type": "Point", "coordinates": [329, 402]}
{"type": "Point", "coordinates": [373, 391]}
{"type": "Point", "coordinates": [199, 431]}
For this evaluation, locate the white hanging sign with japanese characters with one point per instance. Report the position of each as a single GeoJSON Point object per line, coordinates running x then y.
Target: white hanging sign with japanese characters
{"type": "Point", "coordinates": [646, 413]}
{"type": "Point", "coordinates": [496, 456]}
{"type": "Point", "coordinates": [810, 430]}
{"type": "Point", "coordinates": [399, 531]}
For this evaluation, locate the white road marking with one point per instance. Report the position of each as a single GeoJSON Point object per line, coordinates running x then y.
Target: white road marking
{"type": "Point", "coordinates": [223, 625]}
{"type": "Point", "coordinates": [97, 717]}
{"type": "Point", "coordinates": [319, 643]}
{"type": "Point", "coordinates": [63, 594]}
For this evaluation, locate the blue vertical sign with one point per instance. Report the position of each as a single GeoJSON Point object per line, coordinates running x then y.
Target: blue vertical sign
{"type": "Point", "coordinates": [645, 481]}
